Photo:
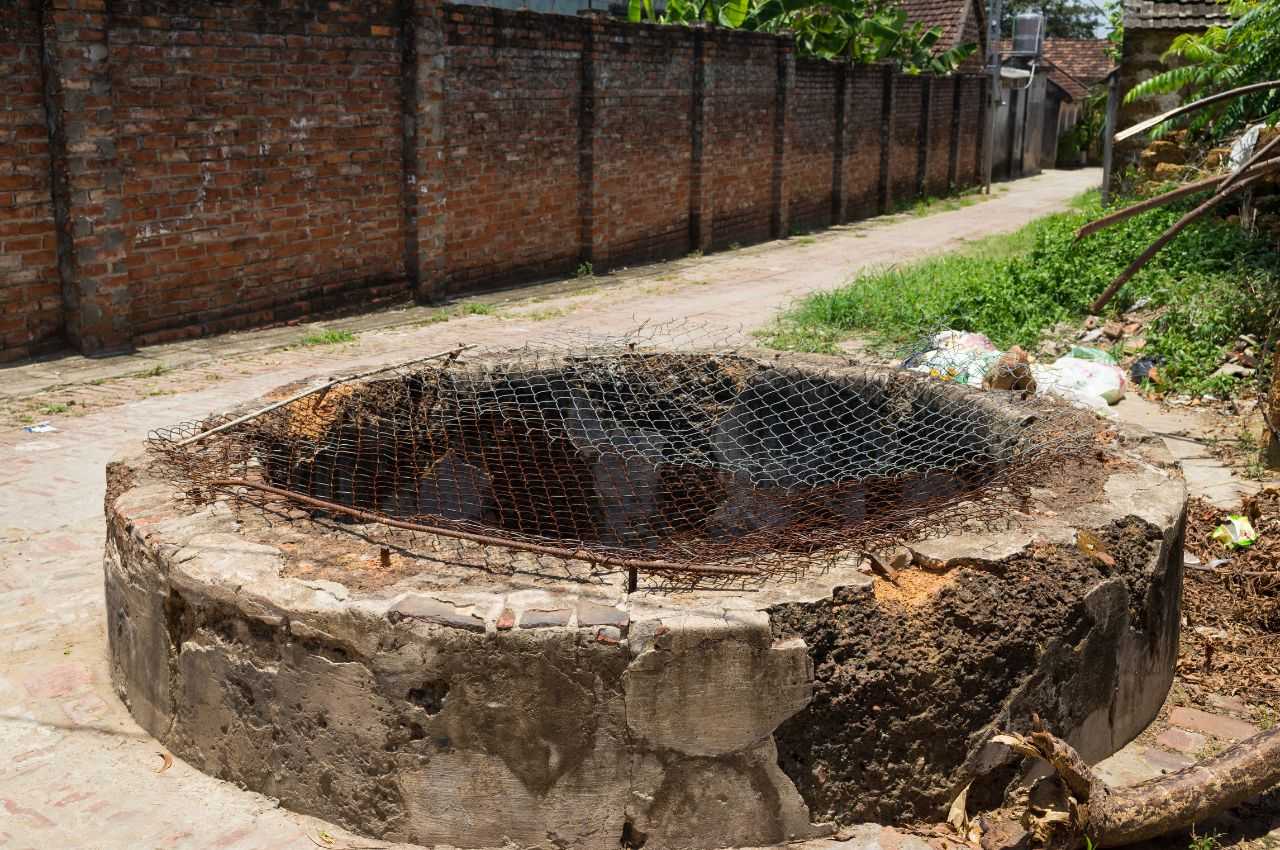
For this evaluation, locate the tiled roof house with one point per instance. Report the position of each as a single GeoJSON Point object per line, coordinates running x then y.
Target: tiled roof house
{"type": "Point", "coordinates": [1149, 28]}
{"type": "Point", "coordinates": [961, 21]}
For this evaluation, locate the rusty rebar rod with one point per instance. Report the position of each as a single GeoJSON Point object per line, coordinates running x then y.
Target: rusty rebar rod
{"type": "Point", "coordinates": [275, 405]}
{"type": "Point", "coordinates": [488, 540]}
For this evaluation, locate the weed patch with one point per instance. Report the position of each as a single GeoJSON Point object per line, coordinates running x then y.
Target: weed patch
{"type": "Point", "coordinates": [1210, 285]}
{"type": "Point", "coordinates": [326, 337]}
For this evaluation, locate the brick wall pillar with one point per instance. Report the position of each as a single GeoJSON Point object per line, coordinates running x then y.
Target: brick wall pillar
{"type": "Point", "coordinates": [426, 212]}
{"type": "Point", "coordinates": [888, 96]}
{"type": "Point", "coordinates": [87, 179]}
{"type": "Point", "coordinates": [839, 192]}
{"type": "Point", "coordinates": [594, 238]}
{"type": "Point", "coordinates": [953, 147]}
{"type": "Point", "coordinates": [701, 201]}
{"type": "Point", "coordinates": [922, 151]}
{"type": "Point", "coordinates": [984, 125]}
{"type": "Point", "coordinates": [782, 124]}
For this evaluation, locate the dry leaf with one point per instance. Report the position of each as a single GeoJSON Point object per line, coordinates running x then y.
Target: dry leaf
{"type": "Point", "coordinates": [1090, 545]}
{"type": "Point", "coordinates": [1016, 743]}
{"type": "Point", "coordinates": [956, 815]}
{"type": "Point", "coordinates": [168, 762]}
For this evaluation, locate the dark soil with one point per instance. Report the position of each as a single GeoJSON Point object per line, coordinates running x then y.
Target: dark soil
{"type": "Point", "coordinates": [907, 685]}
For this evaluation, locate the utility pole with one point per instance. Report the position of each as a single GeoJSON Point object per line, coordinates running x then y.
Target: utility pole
{"type": "Point", "coordinates": [994, 11]}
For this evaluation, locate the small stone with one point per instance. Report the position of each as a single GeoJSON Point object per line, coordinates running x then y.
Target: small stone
{"type": "Point", "coordinates": [1231, 705]}
{"type": "Point", "coordinates": [609, 635]}
{"type": "Point", "coordinates": [1233, 370]}
{"type": "Point", "coordinates": [1166, 762]}
{"type": "Point", "coordinates": [1211, 632]}
{"type": "Point", "coordinates": [1180, 740]}
{"type": "Point", "coordinates": [431, 610]}
{"type": "Point", "coordinates": [537, 618]}
{"type": "Point", "coordinates": [506, 620]}
{"type": "Point", "coordinates": [1227, 728]}
{"type": "Point", "coordinates": [1113, 330]}
{"type": "Point", "coordinates": [591, 614]}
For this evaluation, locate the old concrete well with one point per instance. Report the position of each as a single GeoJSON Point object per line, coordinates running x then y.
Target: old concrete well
{"type": "Point", "coordinates": [404, 604]}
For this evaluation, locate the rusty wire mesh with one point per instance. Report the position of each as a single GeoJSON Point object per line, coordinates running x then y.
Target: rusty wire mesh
{"type": "Point", "coordinates": [703, 468]}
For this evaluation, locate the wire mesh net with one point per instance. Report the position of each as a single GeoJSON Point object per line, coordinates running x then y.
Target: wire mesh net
{"type": "Point", "coordinates": [687, 467]}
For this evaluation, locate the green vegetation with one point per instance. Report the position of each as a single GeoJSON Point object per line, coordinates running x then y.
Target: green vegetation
{"type": "Point", "coordinates": [54, 408]}
{"type": "Point", "coordinates": [1062, 18]}
{"type": "Point", "coordinates": [321, 336]}
{"type": "Point", "coordinates": [1204, 842]}
{"type": "Point", "coordinates": [584, 270]}
{"type": "Point", "coordinates": [1222, 58]}
{"type": "Point", "coordinates": [858, 31]}
{"type": "Point", "coordinates": [1209, 286]}
{"type": "Point", "coordinates": [928, 206]}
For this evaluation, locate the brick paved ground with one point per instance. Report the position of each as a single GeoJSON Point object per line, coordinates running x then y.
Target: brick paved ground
{"type": "Point", "coordinates": [75, 771]}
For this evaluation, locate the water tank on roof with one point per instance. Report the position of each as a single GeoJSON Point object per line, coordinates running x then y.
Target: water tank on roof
{"type": "Point", "coordinates": [1028, 34]}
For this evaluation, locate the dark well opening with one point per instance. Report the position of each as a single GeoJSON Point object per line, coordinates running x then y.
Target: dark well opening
{"type": "Point", "coordinates": [648, 455]}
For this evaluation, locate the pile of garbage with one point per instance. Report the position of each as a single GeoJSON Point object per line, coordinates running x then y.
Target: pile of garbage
{"type": "Point", "coordinates": [1088, 376]}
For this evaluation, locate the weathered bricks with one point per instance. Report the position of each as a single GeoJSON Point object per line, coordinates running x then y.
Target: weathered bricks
{"type": "Point", "coordinates": [221, 167]}
{"type": "Point", "coordinates": [30, 292]}
{"type": "Point", "coordinates": [1219, 726]}
{"type": "Point", "coordinates": [430, 610]}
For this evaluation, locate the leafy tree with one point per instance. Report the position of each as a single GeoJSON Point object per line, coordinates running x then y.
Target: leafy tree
{"type": "Point", "coordinates": [1223, 58]}
{"type": "Point", "coordinates": [858, 31]}
{"type": "Point", "coordinates": [1062, 18]}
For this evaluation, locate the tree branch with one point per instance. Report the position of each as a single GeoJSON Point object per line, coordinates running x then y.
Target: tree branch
{"type": "Point", "coordinates": [1164, 239]}
{"type": "Point", "coordinates": [1171, 196]}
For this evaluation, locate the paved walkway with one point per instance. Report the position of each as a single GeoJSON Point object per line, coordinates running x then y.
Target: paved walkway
{"type": "Point", "coordinates": [75, 771]}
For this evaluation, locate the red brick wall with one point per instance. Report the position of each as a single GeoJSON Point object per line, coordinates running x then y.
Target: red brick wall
{"type": "Point", "coordinates": [941, 102]}
{"type": "Point", "coordinates": [642, 166]}
{"type": "Point", "coordinates": [231, 163]}
{"type": "Point", "coordinates": [810, 153]}
{"type": "Point", "coordinates": [30, 292]}
{"type": "Point", "coordinates": [512, 97]}
{"type": "Point", "coordinates": [741, 100]}
{"type": "Point", "coordinates": [969, 139]}
{"type": "Point", "coordinates": [863, 146]}
{"type": "Point", "coordinates": [261, 153]}
{"type": "Point", "coordinates": [904, 172]}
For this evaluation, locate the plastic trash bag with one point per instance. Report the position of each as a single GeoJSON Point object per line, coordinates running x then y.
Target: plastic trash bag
{"type": "Point", "coordinates": [1243, 147]}
{"type": "Point", "coordinates": [1237, 532]}
{"type": "Point", "coordinates": [1097, 355]}
{"type": "Point", "coordinates": [958, 356]}
{"type": "Point", "coordinates": [1096, 384]}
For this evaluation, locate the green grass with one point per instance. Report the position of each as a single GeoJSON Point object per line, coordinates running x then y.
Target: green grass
{"type": "Point", "coordinates": [1213, 283]}
{"type": "Point", "coordinates": [1204, 842]}
{"type": "Point", "coordinates": [321, 336]}
{"type": "Point", "coordinates": [56, 407]}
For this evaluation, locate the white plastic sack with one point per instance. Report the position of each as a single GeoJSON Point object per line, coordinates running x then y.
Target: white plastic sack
{"type": "Point", "coordinates": [1096, 384]}
{"type": "Point", "coordinates": [1243, 147]}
